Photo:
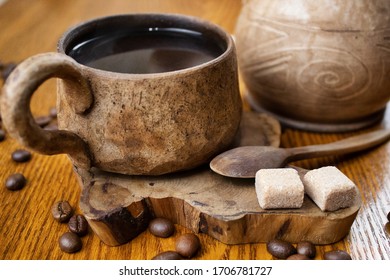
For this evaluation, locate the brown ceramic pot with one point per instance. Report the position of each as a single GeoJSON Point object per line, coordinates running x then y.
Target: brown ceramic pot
{"type": "Point", "coordinates": [318, 65]}
{"type": "Point", "coordinates": [130, 123]}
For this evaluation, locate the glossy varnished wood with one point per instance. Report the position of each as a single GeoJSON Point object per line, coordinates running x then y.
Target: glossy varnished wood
{"type": "Point", "coordinates": [27, 230]}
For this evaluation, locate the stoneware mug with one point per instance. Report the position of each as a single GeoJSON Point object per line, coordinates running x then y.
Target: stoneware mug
{"type": "Point", "coordinates": [316, 65]}
{"type": "Point", "coordinates": [131, 123]}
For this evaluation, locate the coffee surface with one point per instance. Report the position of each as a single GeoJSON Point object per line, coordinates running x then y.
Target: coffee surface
{"type": "Point", "coordinates": [147, 50]}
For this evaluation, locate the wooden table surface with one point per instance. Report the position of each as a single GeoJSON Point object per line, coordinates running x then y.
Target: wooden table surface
{"type": "Point", "coordinates": [27, 229]}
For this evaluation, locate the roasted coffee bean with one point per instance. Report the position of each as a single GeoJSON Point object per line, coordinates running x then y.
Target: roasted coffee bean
{"type": "Point", "coordinates": [15, 182]}
{"type": "Point", "coordinates": [78, 224]}
{"type": "Point", "coordinates": [280, 249]}
{"type": "Point", "coordinates": [298, 257]}
{"type": "Point", "coordinates": [21, 155]}
{"type": "Point", "coordinates": [337, 255]}
{"type": "Point", "coordinates": [2, 135]}
{"type": "Point", "coordinates": [306, 248]}
{"type": "Point", "coordinates": [168, 255]}
{"type": "Point", "coordinates": [161, 227]}
{"type": "Point", "coordinates": [62, 211]}
{"type": "Point", "coordinates": [70, 242]}
{"type": "Point", "coordinates": [388, 216]}
{"type": "Point", "coordinates": [187, 245]}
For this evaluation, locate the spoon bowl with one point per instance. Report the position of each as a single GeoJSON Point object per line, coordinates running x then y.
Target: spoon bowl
{"type": "Point", "coordinates": [244, 162]}
{"type": "Point", "coordinates": [241, 162]}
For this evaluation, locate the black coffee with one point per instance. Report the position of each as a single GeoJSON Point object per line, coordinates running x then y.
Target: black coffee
{"type": "Point", "coordinates": [146, 50]}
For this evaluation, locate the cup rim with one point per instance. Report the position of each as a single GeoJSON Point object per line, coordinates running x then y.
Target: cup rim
{"type": "Point", "coordinates": [72, 32]}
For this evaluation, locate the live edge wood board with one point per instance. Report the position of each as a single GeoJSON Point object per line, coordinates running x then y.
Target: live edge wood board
{"type": "Point", "coordinates": [120, 207]}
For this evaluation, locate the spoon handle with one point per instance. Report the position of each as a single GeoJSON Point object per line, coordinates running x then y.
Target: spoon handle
{"type": "Point", "coordinates": [345, 146]}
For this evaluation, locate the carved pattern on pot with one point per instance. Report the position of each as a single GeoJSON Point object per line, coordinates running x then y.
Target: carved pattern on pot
{"type": "Point", "coordinates": [318, 69]}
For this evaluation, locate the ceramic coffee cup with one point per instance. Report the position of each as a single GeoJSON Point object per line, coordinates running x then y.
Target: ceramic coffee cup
{"type": "Point", "coordinates": [157, 119]}
{"type": "Point", "coordinates": [316, 65]}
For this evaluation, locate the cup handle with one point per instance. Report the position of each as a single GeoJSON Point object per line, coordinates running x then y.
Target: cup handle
{"type": "Point", "coordinates": [17, 116]}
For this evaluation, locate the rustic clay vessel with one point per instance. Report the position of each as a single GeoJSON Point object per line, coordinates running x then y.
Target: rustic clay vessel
{"type": "Point", "coordinates": [130, 123]}
{"type": "Point", "coordinates": [317, 65]}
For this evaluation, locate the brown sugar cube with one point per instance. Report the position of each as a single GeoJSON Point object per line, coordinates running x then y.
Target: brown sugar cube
{"type": "Point", "coordinates": [279, 188]}
{"type": "Point", "coordinates": [329, 188]}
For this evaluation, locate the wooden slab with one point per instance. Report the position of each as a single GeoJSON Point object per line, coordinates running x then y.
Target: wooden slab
{"type": "Point", "coordinates": [119, 208]}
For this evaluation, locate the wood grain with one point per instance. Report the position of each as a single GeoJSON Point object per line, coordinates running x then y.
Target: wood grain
{"type": "Point", "coordinates": [27, 229]}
